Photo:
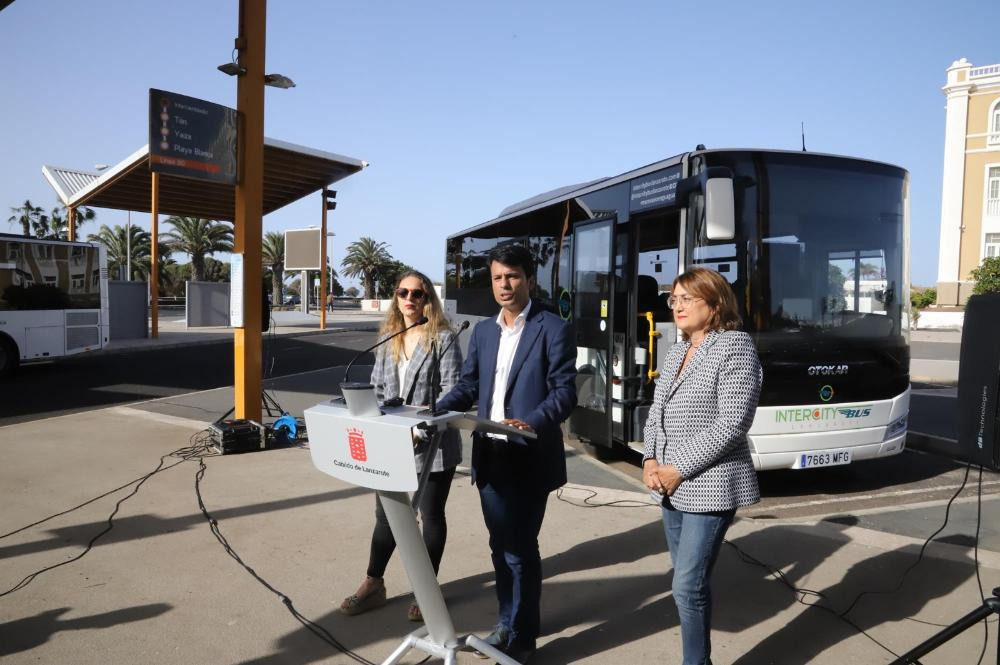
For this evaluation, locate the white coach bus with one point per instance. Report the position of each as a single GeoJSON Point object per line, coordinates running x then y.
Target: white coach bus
{"type": "Point", "coordinates": [815, 247]}
{"type": "Point", "coordinates": [53, 299]}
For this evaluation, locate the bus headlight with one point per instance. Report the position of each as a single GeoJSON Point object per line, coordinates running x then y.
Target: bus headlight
{"type": "Point", "coordinates": [895, 428]}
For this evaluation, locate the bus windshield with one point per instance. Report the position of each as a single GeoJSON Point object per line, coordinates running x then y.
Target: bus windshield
{"type": "Point", "coordinates": [829, 248]}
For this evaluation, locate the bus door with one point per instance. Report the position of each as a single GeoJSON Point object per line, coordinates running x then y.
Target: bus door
{"type": "Point", "coordinates": [658, 259]}
{"type": "Point", "coordinates": [593, 314]}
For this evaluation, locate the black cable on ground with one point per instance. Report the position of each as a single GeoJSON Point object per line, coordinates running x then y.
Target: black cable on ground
{"type": "Point", "coordinates": [979, 579]}
{"type": "Point", "coordinates": [801, 593]}
{"type": "Point", "coordinates": [314, 628]}
{"type": "Point", "coordinates": [587, 503]}
{"type": "Point", "coordinates": [923, 547]}
{"type": "Point", "coordinates": [85, 503]}
{"type": "Point", "coordinates": [185, 454]}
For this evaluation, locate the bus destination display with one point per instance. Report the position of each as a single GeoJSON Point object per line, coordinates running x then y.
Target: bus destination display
{"type": "Point", "coordinates": [191, 138]}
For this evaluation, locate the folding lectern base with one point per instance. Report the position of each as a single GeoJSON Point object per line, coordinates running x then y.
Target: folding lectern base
{"type": "Point", "coordinates": [417, 640]}
{"type": "Point", "coordinates": [437, 636]}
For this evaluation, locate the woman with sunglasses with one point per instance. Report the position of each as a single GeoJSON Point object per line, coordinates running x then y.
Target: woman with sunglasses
{"type": "Point", "coordinates": [403, 369]}
{"type": "Point", "coordinates": [697, 460]}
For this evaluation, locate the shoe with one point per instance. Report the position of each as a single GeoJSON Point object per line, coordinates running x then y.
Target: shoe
{"type": "Point", "coordinates": [497, 639]}
{"type": "Point", "coordinates": [355, 604]}
{"type": "Point", "coordinates": [414, 613]}
{"type": "Point", "coordinates": [521, 652]}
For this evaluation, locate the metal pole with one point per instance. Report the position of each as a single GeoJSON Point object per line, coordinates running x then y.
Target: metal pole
{"type": "Point", "coordinates": [304, 291]}
{"type": "Point", "coordinates": [128, 248]}
{"type": "Point", "coordinates": [250, 206]}
{"type": "Point", "coordinates": [154, 256]}
{"type": "Point", "coordinates": [322, 263]}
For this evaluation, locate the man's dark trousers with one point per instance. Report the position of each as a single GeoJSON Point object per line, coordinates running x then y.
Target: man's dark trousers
{"type": "Point", "coordinates": [513, 518]}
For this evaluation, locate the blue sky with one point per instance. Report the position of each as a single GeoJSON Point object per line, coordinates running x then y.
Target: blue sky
{"type": "Point", "coordinates": [465, 107]}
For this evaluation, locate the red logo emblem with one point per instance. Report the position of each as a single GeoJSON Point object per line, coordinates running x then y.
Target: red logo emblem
{"type": "Point", "coordinates": [356, 442]}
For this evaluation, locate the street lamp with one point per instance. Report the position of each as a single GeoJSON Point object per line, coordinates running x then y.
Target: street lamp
{"type": "Point", "coordinates": [278, 81]}
{"type": "Point", "coordinates": [273, 80]}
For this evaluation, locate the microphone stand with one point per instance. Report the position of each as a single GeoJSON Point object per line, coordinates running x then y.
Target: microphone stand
{"type": "Point", "coordinates": [433, 433]}
{"type": "Point", "coordinates": [347, 372]}
{"type": "Point", "coordinates": [433, 411]}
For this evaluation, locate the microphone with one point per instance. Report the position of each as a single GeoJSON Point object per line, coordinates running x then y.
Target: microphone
{"type": "Point", "coordinates": [347, 372]}
{"type": "Point", "coordinates": [462, 328]}
{"type": "Point", "coordinates": [436, 369]}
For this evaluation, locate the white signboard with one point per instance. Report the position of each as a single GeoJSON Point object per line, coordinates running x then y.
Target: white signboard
{"type": "Point", "coordinates": [369, 452]}
{"type": "Point", "coordinates": [303, 249]}
{"type": "Point", "coordinates": [236, 290]}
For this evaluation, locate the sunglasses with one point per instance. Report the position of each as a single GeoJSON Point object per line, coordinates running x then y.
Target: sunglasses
{"type": "Point", "coordinates": [404, 294]}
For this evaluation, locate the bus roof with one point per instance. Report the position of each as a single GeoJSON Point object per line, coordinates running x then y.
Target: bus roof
{"type": "Point", "coordinates": [51, 241]}
{"type": "Point", "coordinates": [574, 191]}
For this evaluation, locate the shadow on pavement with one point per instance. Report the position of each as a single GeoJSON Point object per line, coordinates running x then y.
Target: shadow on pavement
{"type": "Point", "coordinates": [621, 608]}
{"type": "Point", "coordinates": [146, 526]}
{"type": "Point", "coordinates": [28, 633]}
{"type": "Point", "coordinates": [78, 383]}
{"type": "Point", "coordinates": [867, 476]}
{"type": "Point", "coordinates": [812, 632]}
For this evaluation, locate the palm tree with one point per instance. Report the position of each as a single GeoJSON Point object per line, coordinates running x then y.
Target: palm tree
{"type": "Point", "coordinates": [388, 275]}
{"type": "Point", "coordinates": [28, 216]}
{"type": "Point", "coordinates": [81, 215]}
{"type": "Point", "coordinates": [165, 275]}
{"type": "Point", "coordinates": [53, 226]}
{"type": "Point", "coordinates": [118, 246]}
{"type": "Point", "coordinates": [198, 237]}
{"type": "Point", "coordinates": [274, 259]}
{"type": "Point", "coordinates": [366, 258]}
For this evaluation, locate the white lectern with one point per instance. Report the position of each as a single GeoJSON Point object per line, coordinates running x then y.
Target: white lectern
{"type": "Point", "coordinates": [373, 447]}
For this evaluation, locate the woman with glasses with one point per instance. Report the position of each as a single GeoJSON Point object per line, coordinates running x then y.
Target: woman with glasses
{"type": "Point", "coordinates": [403, 371]}
{"type": "Point", "coordinates": [696, 460]}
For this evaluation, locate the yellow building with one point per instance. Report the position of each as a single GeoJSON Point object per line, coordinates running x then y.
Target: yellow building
{"type": "Point", "coordinates": [970, 194]}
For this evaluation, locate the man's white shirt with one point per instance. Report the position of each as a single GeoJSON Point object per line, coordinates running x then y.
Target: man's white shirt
{"type": "Point", "coordinates": [510, 336]}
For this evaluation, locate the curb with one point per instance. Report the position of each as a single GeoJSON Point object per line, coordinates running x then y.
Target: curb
{"type": "Point", "coordinates": [219, 340]}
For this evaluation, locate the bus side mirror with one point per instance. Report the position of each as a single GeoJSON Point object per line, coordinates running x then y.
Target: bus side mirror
{"type": "Point", "coordinates": [720, 210]}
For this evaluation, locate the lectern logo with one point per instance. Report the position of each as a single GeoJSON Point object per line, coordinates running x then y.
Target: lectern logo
{"type": "Point", "coordinates": [356, 442]}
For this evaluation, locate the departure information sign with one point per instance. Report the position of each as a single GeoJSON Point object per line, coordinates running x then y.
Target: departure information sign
{"type": "Point", "coordinates": [191, 138]}
{"type": "Point", "coordinates": [655, 190]}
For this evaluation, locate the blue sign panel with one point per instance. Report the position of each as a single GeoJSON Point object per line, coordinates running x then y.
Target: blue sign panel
{"type": "Point", "coordinates": [191, 138]}
{"type": "Point", "coordinates": [655, 190]}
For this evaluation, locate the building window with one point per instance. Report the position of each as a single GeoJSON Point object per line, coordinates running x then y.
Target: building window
{"type": "Point", "coordinates": [993, 192]}
{"type": "Point", "coordinates": [42, 252]}
{"type": "Point", "coordinates": [992, 245]}
{"type": "Point", "coordinates": [994, 129]}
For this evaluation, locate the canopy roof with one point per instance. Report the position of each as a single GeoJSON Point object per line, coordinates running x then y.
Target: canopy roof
{"type": "Point", "coordinates": [290, 173]}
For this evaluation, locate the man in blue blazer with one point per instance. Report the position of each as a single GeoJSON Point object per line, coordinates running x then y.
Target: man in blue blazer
{"type": "Point", "coordinates": [521, 369]}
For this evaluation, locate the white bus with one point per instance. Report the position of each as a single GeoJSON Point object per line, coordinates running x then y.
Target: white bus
{"type": "Point", "coordinates": [814, 245]}
{"type": "Point", "coordinates": [53, 299]}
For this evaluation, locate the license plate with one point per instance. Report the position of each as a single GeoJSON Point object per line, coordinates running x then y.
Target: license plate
{"type": "Point", "coordinates": [822, 458]}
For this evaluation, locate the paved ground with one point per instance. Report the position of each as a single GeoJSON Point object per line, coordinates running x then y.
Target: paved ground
{"type": "Point", "coordinates": [934, 356]}
{"type": "Point", "coordinates": [159, 588]}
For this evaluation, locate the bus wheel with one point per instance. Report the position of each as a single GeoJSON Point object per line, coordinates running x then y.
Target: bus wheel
{"type": "Point", "coordinates": [9, 357]}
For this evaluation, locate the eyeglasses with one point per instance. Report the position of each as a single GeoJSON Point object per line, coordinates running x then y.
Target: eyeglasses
{"type": "Point", "coordinates": [404, 294]}
{"type": "Point", "coordinates": [685, 301]}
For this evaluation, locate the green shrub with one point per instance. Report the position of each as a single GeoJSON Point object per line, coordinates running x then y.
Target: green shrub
{"type": "Point", "coordinates": [921, 298]}
{"type": "Point", "coordinates": [987, 276]}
